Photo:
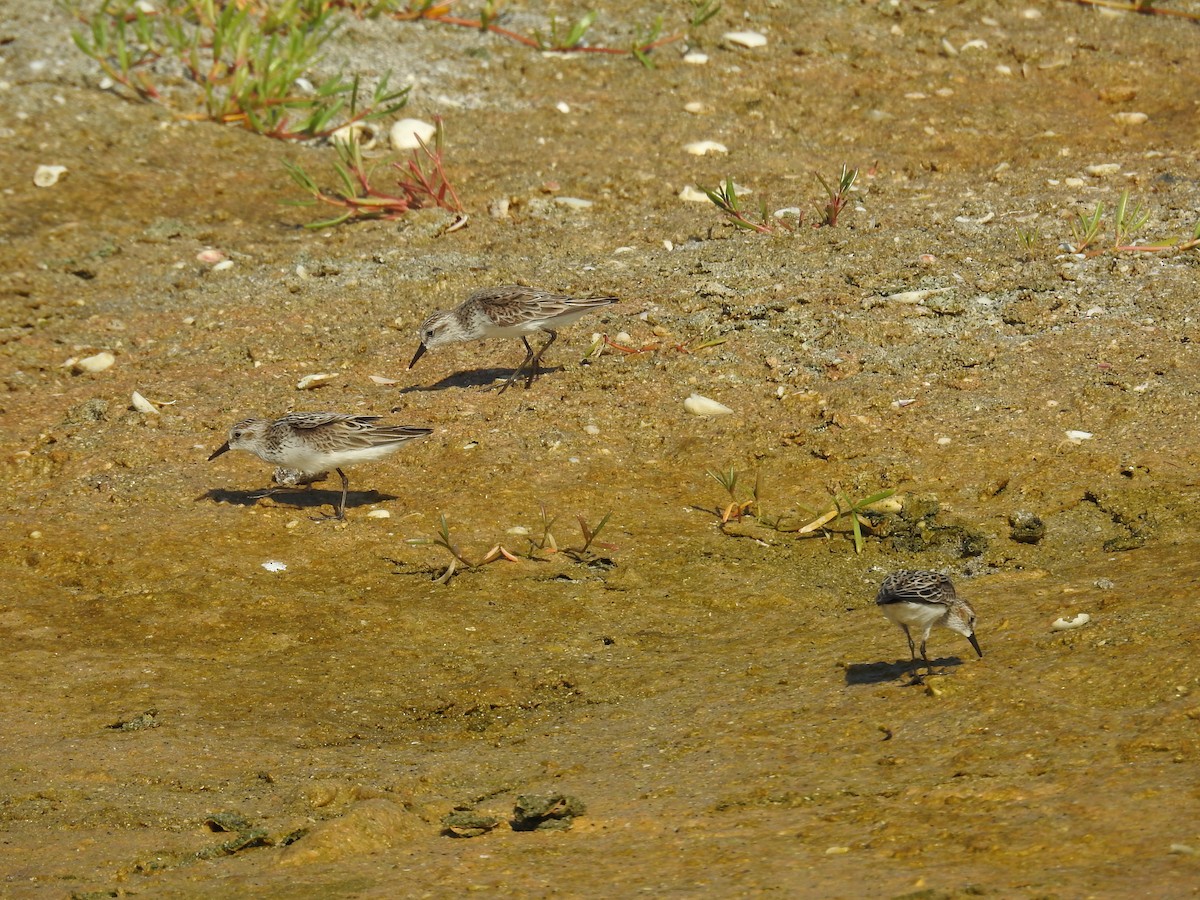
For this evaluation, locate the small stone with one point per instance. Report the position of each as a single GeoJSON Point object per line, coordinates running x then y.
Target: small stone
{"type": "Point", "coordinates": [545, 811]}
{"type": "Point", "coordinates": [466, 823]}
{"type": "Point", "coordinates": [1130, 118]}
{"type": "Point", "coordinates": [1027, 528]}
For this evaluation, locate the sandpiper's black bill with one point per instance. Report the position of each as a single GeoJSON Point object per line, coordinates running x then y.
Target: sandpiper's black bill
{"type": "Point", "coordinates": [420, 352]}
{"type": "Point", "coordinates": [222, 449]}
{"type": "Point", "coordinates": [975, 644]}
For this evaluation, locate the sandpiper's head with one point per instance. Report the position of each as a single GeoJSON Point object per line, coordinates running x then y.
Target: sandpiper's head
{"type": "Point", "coordinates": [438, 329]}
{"type": "Point", "coordinates": [245, 435]}
{"type": "Point", "coordinates": [961, 618]}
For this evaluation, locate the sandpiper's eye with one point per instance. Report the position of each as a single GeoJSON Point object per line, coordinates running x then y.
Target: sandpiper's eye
{"type": "Point", "coordinates": [236, 434]}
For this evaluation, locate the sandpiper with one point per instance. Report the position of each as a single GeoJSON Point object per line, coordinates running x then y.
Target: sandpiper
{"type": "Point", "coordinates": [304, 446]}
{"type": "Point", "coordinates": [920, 600]}
{"type": "Point", "coordinates": [507, 311]}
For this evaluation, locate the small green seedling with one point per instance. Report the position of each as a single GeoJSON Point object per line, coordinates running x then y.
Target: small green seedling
{"type": "Point", "coordinates": [855, 511]}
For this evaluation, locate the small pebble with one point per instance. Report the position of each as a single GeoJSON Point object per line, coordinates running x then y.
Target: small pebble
{"type": "Point", "coordinates": [592, 429]}
{"type": "Point", "coordinates": [379, 514]}
{"type": "Point", "coordinates": [1076, 437]}
{"type": "Point", "coordinates": [1130, 118]}
{"type": "Point", "coordinates": [1102, 169]}
{"type": "Point", "coordinates": [274, 565]}
{"type": "Point", "coordinates": [696, 59]}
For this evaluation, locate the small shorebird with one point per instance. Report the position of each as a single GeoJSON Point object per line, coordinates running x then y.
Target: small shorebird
{"type": "Point", "coordinates": [507, 311]}
{"type": "Point", "coordinates": [305, 446]}
{"type": "Point", "coordinates": [920, 600]}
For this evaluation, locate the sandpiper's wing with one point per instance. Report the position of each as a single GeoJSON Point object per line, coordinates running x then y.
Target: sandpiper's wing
{"type": "Point", "coordinates": [909, 586]}
{"type": "Point", "coordinates": [310, 420]}
{"type": "Point", "coordinates": [348, 432]}
{"type": "Point", "coordinates": [513, 304]}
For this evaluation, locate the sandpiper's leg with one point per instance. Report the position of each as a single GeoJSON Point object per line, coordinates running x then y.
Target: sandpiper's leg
{"type": "Point", "coordinates": [537, 360]}
{"type": "Point", "coordinates": [519, 369]}
{"type": "Point", "coordinates": [925, 656]}
{"type": "Point", "coordinates": [912, 650]}
{"type": "Point", "coordinates": [339, 511]}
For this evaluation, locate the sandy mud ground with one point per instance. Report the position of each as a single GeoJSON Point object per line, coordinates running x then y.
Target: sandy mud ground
{"type": "Point", "coordinates": [723, 707]}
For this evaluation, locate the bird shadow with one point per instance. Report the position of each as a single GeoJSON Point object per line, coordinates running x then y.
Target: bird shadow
{"type": "Point", "coordinates": [484, 379]}
{"type": "Point", "coordinates": [880, 672]}
{"type": "Point", "coordinates": [295, 498]}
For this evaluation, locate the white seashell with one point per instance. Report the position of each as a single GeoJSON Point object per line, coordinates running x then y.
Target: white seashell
{"type": "Point", "coordinates": [98, 363]}
{"type": "Point", "coordinates": [692, 195]}
{"type": "Point", "coordinates": [404, 133]}
{"type": "Point", "coordinates": [274, 565]}
{"type": "Point", "coordinates": [363, 133]}
{"type": "Point", "coordinates": [1076, 436]}
{"type": "Point", "coordinates": [379, 379]}
{"type": "Point", "coordinates": [703, 406]}
{"type": "Point", "coordinates": [1078, 621]}
{"type": "Point", "coordinates": [696, 59]}
{"type": "Point", "coordinates": [210, 256]}
{"type": "Point", "coordinates": [1102, 169]}
{"type": "Point", "coordinates": [915, 296]}
{"type": "Point", "coordinates": [977, 44]}
{"type": "Point", "coordinates": [574, 202]}
{"type": "Point", "coordinates": [695, 107]}
{"type": "Point", "coordinates": [1130, 118]}
{"type": "Point", "coordinates": [700, 148]}
{"type": "Point", "coordinates": [745, 38]}
{"type": "Point", "coordinates": [142, 405]}
{"type": "Point", "coordinates": [308, 382]}
{"type": "Point", "coordinates": [223, 265]}
{"type": "Point", "coordinates": [47, 176]}
{"type": "Point", "coordinates": [562, 107]}
{"type": "Point", "coordinates": [379, 514]}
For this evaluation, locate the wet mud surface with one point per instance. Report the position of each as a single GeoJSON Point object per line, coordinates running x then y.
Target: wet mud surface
{"type": "Point", "coordinates": [712, 710]}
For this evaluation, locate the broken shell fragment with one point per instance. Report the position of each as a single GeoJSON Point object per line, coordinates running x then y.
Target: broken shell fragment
{"type": "Point", "coordinates": [408, 134]}
{"type": "Point", "coordinates": [308, 382]}
{"type": "Point", "coordinates": [47, 176]}
{"type": "Point", "coordinates": [699, 405]}
{"type": "Point", "coordinates": [749, 39]}
{"type": "Point", "coordinates": [700, 148]}
{"type": "Point", "coordinates": [98, 363]}
{"type": "Point", "coordinates": [1078, 621]}
{"type": "Point", "coordinates": [142, 405]}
